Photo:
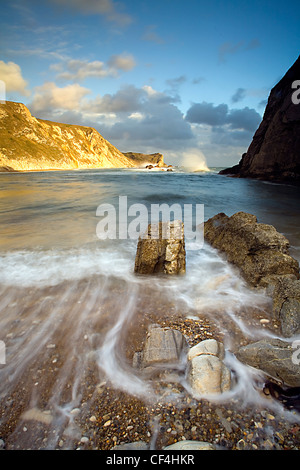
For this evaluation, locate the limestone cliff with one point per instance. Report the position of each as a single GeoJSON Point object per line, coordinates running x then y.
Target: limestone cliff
{"type": "Point", "coordinates": [142, 158]}
{"type": "Point", "coordinates": [274, 153]}
{"type": "Point", "coordinates": [27, 143]}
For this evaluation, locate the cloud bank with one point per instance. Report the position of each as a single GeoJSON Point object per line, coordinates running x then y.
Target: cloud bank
{"type": "Point", "coordinates": [11, 75]}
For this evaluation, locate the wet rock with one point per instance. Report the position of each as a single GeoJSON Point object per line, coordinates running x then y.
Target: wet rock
{"type": "Point", "coordinates": [286, 305]}
{"type": "Point", "coordinates": [288, 396]}
{"type": "Point", "coordinates": [161, 249]}
{"type": "Point", "coordinates": [137, 445]}
{"type": "Point", "coordinates": [274, 357]}
{"type": "Point", "coordinates": [191, 445]}
{"type": "Point", "coordinates": [162, 346]}
{"type": "Point", "coordinates": [258, 250]}
{"type": "Point", "coordinates": [207, 373]}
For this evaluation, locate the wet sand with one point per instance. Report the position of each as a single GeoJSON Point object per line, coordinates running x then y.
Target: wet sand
{"type": "Point", "coordinates": [62, 384]}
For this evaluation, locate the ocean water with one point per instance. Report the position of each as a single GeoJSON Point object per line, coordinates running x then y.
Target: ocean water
{"type": "Point", "coordinates": [69, 299]}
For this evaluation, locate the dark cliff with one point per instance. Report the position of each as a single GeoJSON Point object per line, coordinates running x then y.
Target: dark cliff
{"type": "Point", "coordinates": [274, 153]}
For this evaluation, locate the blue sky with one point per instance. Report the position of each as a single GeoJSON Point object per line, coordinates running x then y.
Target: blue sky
{"type": "Point", "coordinates": [189, 79]}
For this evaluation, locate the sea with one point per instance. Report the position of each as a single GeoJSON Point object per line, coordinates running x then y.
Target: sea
{"type": "Point", "coordinates": [69, 299]}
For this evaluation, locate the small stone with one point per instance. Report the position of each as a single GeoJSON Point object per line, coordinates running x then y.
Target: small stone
{"type": "Point", "coordinates": [93, 419]}
{"type": "Point", "coordinates": [107, 423]}
{"type": "Point", "coordinates": [84, 440]}
{"type": "Point", "coordinates": [241, 444]}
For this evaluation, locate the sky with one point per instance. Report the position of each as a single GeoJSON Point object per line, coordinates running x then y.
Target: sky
{"type": "Point", "coordinates": [189, 79]}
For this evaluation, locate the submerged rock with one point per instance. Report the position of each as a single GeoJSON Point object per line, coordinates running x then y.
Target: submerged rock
{"type": "Point", "coordinates": [274, 357]}
{"type": "Point", "coordinates": [161, 249]}
{"type": "Point", "coordinates": [207, 373]}
{"type": "Point", "coordinates": [258, 250]}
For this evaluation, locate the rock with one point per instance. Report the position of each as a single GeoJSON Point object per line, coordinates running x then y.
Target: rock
{"type": "Point", "coordinates": [286, 305]}
{"type": "Point", "coordinates": [162, 346]}
{"type": "Point", "coordinates": [207, 374]}
{"type": "Point", "coordinates": [191, 445]}
{"type": "Point", "coordinates": [137, 445]}
{"type": "Point", "coordinates": [258, 250]}
{"type": "Point", "coordinates": [274, 151]}
{"type": "Point", "coordinates": [208, 346]}
{"type": "Point", "coordinates": [153, 159]}
{"type": "Point", "coordinates": [161, 249]}
{"type": "Point", "coordinates": [274, 357]}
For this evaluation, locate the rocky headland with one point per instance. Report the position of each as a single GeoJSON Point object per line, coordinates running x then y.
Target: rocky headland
{"type": "Point", "coordinates": [274, 153]}
{"type": "Point", "coordinates": [28, 144]}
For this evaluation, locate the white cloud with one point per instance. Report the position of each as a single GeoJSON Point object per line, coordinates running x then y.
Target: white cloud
{"type": "Point", "coordinates": [79, 70]}
{"type": "Point", "coordinates": [11, 75]}
{"type": "Point", "coordinates": [49, 98]}
{"type": "Point", "coordinates": [149, 90]}
{"type": "Point", "coordinates": [137, 116]}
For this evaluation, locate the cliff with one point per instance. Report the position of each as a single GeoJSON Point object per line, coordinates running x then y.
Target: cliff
{"type": "Point", "coordinates": [274, 153]}
{"type": "Point", "coordinates": [27, 143]}
{"type": "Point", "coordinates": [142, 158]}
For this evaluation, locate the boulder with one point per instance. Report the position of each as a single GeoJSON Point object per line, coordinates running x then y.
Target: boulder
{"type": "Point", "coordinates": [207, 373]}
{"type": "Point", "coordinates": [257, 249]}
{"type": "Point", "coordinates": [161, 249]}
{"type": "Point", "coordinates": [274, 357]}
{"type": "Point", "coordinates": [163, 347]}
{"type": "Point", "coordinates": [286, 305]}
